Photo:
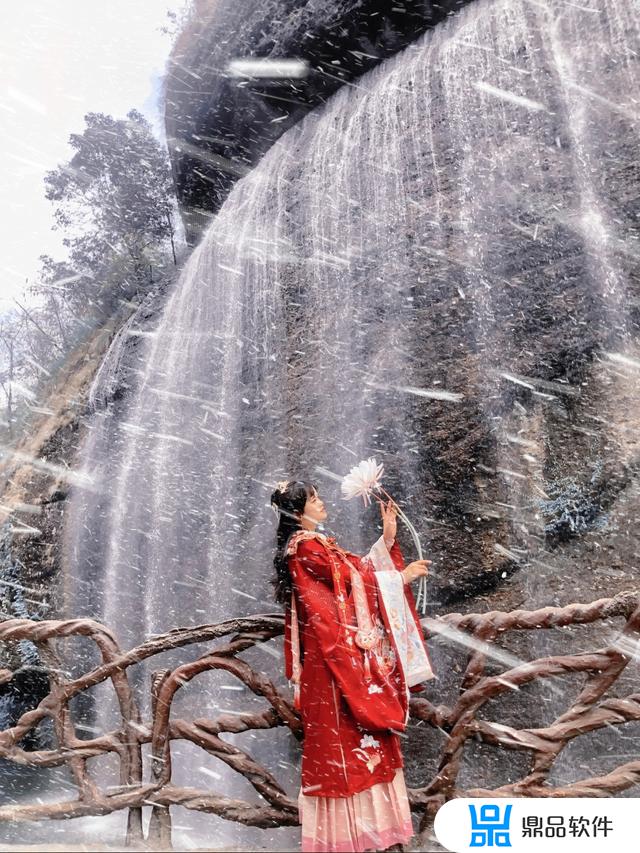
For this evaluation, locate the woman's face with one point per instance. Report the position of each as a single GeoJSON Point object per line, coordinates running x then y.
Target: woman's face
{"type": "Point", "coordinates": [314, 510]}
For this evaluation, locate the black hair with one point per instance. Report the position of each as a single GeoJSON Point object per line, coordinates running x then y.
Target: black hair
{"type": "Point", "coordinates": [290, 500]}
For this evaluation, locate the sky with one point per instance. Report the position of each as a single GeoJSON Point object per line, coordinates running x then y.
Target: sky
{"type": "Point", "coordinates": [61, 59]}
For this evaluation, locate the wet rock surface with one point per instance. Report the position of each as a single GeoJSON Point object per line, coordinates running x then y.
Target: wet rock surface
{"type": "Point", "coordinates": [219, 126]}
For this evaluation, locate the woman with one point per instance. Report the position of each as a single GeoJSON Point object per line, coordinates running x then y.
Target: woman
{"type": "Point", "coordinates": [350, 688]}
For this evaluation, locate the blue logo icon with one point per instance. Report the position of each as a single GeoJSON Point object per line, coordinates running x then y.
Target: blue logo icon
{"type": "Point", "coordinates": [490, 830]}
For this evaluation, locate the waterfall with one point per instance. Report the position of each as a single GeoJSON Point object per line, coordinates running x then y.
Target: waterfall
{"type": "Point", "coordinates": [458, 214]}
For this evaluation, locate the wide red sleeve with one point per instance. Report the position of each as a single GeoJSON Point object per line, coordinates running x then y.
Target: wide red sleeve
{"type": "Point", "coordinates": [396, 555]}
{"type": "Point", "coordinates": [374, 703]}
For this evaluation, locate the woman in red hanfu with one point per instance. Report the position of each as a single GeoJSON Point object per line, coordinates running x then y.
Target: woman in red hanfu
{"type": "Point", "coordinates": [354, 651]}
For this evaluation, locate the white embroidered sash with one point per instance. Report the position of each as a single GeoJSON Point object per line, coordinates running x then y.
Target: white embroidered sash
{"type": "Point", "coordinates": [406, 634]}
{"type": "Point", "coordinates": [295, 653]}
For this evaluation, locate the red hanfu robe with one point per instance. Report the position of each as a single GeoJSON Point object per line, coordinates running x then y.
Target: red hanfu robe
{"type": "Point", "coordinates": [351, 710]}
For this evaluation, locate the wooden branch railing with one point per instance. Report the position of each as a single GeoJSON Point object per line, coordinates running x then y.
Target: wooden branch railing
{"type": "Point", "coordinates": [475, 632]}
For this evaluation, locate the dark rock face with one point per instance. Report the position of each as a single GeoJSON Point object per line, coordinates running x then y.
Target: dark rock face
{"type": "Point", "coordinates": [219, 126]}
{"type": "Point", "coordinates": [29, 685]}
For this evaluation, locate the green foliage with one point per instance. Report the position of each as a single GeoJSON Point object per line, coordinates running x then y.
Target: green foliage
{"type": "Point", "coordinates": [115, 204]}
{"type": "Point", "coordinates": [115, 201]}
{"type": "Point", "coordinates": [573, 508]}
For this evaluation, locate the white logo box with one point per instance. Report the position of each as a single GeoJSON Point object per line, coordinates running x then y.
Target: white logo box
{"type": "Point", "coordinates": [531, 824]}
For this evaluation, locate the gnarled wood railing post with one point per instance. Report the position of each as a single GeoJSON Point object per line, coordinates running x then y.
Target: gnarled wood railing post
{"type": "Point", "coordinates": [160, 821]}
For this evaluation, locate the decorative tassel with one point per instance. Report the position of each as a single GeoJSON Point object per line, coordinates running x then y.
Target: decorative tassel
{"type": "Point", "coordinates": [367, 667]}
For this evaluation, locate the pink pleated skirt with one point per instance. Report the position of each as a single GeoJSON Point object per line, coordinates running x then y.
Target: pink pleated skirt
{"type": "Point", "coordinates": [369, 820]}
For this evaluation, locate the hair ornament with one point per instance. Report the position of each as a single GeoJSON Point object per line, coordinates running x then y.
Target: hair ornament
{"type": "Point", "coordinates": [281, 488]}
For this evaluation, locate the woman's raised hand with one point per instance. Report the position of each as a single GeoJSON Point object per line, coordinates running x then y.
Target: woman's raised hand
{"type": "Point", "coordinates": [417, 569]}
{"type": "Point", "coordinates": [389, 524]}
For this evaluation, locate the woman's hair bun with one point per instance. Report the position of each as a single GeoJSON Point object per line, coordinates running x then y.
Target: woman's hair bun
{"type": "Point", "coordinates": [276, 497]}
{"type": "Point", "coordinates": [290, 497]}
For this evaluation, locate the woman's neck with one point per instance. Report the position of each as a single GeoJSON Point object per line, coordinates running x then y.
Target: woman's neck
{"type": "Point", "coordinates": [310, 527]}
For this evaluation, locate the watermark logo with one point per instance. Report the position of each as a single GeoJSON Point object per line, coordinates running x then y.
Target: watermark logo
{"type": "Point", "coordinates": [491, 827]}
